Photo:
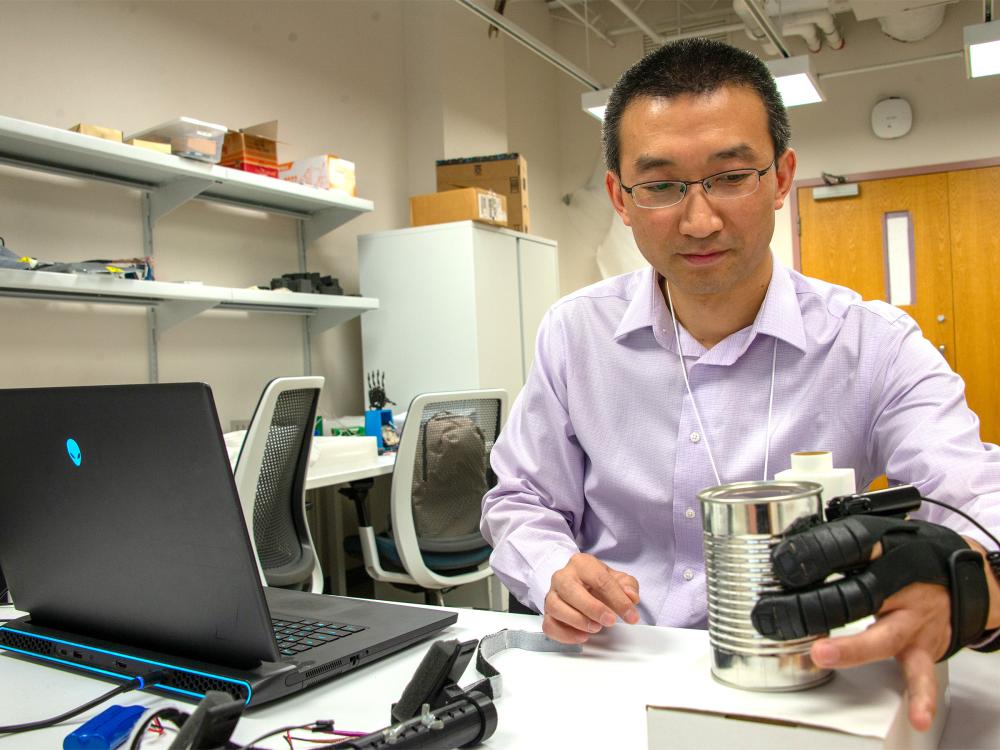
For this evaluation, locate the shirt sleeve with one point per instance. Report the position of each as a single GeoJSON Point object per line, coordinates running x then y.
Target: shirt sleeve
{"type": "Point", "coordinates": [533, 514]}
{"type": "Point", "coordinates": [924, 433]}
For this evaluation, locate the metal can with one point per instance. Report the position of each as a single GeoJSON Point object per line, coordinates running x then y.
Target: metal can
{"type": "Point", "coordinates": [743, 522]}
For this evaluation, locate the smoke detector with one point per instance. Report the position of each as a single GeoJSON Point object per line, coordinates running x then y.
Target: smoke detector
{"type": "Point", "coordinates": [892, 118]}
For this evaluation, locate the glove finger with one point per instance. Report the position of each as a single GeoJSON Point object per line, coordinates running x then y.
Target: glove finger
{"type": "Point", "coordinates": [809, 557]}
{"type": "Point", "coordinates": [784, 617]}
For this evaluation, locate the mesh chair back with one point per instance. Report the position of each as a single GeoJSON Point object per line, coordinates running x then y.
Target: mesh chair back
{"type": "Point", "coordinates": [452, 472]}
{"type": "Point", "coordinates": [278, 519]}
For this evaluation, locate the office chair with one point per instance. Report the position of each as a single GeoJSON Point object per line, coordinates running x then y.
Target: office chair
{"type": "Point", "coordinates": [270, 476]}
{"type": "Point", "coordinates": [442, 471]}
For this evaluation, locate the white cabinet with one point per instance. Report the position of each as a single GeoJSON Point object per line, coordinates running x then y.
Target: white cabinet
{"type": "Point", "coordinates": [459, 306]}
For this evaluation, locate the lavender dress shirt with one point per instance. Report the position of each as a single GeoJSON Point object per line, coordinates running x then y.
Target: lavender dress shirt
{"type": "Point", "coordinates": [602, 452]}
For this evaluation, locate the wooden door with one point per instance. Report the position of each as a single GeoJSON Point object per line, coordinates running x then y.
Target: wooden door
{"type": "Point", "coordinates": [842, 241]}
{"type": "Point", "coordinates": [975, 253]}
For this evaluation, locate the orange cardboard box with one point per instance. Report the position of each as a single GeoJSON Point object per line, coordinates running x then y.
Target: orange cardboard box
{"type": "Point", "coordinates": [462, 204]}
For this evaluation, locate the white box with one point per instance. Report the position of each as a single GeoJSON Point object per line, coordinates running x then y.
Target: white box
{"type": "Point", "coordinates": [864, 708]}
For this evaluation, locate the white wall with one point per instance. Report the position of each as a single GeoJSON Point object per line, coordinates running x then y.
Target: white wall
{"type": "Point", "coordinates": [391, 86]}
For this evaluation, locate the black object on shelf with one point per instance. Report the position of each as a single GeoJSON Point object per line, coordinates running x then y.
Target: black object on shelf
{"type": "Point", "coordinates": [307, 283]}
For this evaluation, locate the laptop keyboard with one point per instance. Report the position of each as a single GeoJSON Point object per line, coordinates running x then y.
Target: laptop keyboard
{"type": "Point", "coordinates": [296, 636]}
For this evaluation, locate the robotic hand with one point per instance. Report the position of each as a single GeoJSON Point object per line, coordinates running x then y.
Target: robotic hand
{"type": "Point", "coordinates": [912, 551]}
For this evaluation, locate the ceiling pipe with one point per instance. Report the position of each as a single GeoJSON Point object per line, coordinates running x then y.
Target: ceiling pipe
{"type": "Point", "coordinates": [634, 18]}
{"type": "Point", "coordinates": [751, 9]}
{"type": "Point", "coordinates": [808, 31]}
{"type": "Point", "coordinates": [535, 45]}
{"type": "Point", "coordinates": [596, 31]}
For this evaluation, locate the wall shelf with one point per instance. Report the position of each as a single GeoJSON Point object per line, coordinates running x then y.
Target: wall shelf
{"type": "Point", "coordinates": [173, 179]}
{"type": "Point", "coordinates": [175, 303]}
{"type": "Point", "coordinates": [167, 182]}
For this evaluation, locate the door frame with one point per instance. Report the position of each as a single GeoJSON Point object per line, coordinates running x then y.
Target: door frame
{"type": "Point", "coordinates": [954, 166]}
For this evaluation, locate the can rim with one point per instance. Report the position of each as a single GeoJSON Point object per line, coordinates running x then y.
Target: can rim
{"type": "Point", "coordinates": [783, 490]}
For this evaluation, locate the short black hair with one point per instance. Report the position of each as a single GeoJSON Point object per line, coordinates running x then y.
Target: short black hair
{"type": "Point", "coordinates": [693, 66]}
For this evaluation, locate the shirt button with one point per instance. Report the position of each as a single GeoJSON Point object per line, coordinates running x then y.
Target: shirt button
{"type": "Point", "coordinates": [688, 574]}
{"type": "Point", "coordinates": [689, 513]}
{"type": "Point", "coordinates": [695, 437]}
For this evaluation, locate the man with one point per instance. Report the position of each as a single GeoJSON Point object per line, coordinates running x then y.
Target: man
{"type": "Point", "coordinates": [713, 366]}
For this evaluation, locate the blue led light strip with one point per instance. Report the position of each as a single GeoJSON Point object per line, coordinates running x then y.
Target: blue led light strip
{"type": "Point", "coordinates": [116, 675]}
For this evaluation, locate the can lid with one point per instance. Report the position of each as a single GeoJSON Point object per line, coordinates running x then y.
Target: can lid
{"type": "Point", "coordinates": [756, 492]}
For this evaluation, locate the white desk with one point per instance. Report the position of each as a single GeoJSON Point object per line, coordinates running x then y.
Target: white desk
{"type": "Point", "coordinates": [316, 478]}
{"type": "Point", "coordinates": [594, 700]}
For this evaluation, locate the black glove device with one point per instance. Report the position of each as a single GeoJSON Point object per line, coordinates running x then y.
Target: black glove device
{"type": "Point", "coordinates": [913, 551]}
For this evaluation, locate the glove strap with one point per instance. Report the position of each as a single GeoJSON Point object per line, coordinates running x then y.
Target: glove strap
{"type": "Point", "coordinates": [969, 599]}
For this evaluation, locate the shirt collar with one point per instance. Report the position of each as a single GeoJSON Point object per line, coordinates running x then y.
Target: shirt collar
{"type": "Point", "coordinates": [646, 309]}
{"type": "Point", "coordinates": [779, 315]}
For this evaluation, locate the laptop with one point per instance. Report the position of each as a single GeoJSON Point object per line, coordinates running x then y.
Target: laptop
{"type": "Point", "coordinates": [122, 536]}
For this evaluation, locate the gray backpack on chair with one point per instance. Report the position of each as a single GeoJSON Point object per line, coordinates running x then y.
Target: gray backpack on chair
{"type": "Point", "coordinates": [449, 481]}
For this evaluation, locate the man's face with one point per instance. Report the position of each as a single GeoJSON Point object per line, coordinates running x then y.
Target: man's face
{"type": "Point", "coordinates": [704, 245]}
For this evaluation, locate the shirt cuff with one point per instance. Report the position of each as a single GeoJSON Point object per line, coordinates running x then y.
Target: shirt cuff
{"type": "Point", "coordinates": [555, 560]}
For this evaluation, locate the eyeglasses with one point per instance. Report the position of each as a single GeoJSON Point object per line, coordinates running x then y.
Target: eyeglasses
{"type": "Point", "coordinates": [734, 183]}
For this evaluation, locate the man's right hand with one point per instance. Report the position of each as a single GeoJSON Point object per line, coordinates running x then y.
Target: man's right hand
{"type": "Point", "coordinates": [587, 596]}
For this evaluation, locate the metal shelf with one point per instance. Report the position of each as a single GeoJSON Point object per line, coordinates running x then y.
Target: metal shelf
{"type": "Point", "coordinates": [171, 180]}
{"type": "Point", "coordinates": [175, 303]}
{"type": "Point", "coordinates": [167, 182]}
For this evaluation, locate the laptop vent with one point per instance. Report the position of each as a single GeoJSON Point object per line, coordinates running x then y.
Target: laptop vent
{"type": "Point", "coordinates": [194, 683]}
{"type": "Point", "coordinates": [26, 643]}
{"type": "Point", "coordinates": [324, 669]}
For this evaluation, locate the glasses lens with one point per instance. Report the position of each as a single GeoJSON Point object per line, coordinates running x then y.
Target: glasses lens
{"type": "Point", "coordinates": [658, 194]}
{"type": "Point", "coordinates": [733, 184]}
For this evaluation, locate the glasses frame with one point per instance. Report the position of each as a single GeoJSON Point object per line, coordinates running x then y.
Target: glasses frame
{"type": "Point", "coordinates": [686, 184]}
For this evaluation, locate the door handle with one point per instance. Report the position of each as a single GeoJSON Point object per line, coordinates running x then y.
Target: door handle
{"type": "Point", "coordinates": [941, 318]}
{"type": "Point", "coordinates": [941, 348]}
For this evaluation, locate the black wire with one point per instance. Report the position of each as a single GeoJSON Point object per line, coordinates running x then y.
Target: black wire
{"type": "Point", "coordinates": [964, 515]}
{"type": "Point", "coordinates": [41, 724]}
{"type": "Point", "coordinates": [255, 740]}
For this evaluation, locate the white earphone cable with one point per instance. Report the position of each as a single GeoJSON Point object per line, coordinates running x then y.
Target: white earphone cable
{"type": "Point", "coordinates": [694, 404]}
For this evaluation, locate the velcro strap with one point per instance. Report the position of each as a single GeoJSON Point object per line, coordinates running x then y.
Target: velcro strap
{"type": "Point", "coordinates": [490, 645]}
{"type": "Point", "coordinates": [969, 599]}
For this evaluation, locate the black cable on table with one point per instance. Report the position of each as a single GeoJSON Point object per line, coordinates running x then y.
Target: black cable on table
{"type": "Point", "coordinates": [134, 684]}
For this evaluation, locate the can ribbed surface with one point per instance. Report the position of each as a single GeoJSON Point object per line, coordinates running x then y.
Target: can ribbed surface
{"type": "Point", "coordinates": [743, 522]}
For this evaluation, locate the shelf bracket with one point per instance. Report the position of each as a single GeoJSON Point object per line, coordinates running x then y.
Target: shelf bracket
{"type": "Point", "coordinates": [160, 201]}
{"type": "Point", "coordinates": [175, 312]}
{"type": "Point", "coordinates": [321, 222]}
{"type": "Point", "coordinates": [329, 318]}
{"type": "Point", "coordinates": [163, 200]}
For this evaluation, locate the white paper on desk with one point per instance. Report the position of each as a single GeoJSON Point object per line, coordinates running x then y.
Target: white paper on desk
{"type": "Point", "coordinates": [864, 701]}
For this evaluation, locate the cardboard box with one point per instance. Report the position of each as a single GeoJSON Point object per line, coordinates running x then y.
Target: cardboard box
{"type": "Point", "coordinates": [506, 174]}
{"type": "Point", "coordinates": [459, 205]}
{"type": "Point", "coordinates": [325, 171]}
{"type": "Point", "coordinates": [108, 134]}
{"type": "Point", "coordinates": [253, 149]}
{"type": "Point", "coordinates": [190, 138]}
{"type": "Point", "coordinates": [163, 148]}
{"type": "Point", "coordinates": [864, 708]}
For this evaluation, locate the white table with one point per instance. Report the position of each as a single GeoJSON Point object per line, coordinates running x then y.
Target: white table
{"type": "Point", "coordinates": [594, 700]}
{"type": "Point", "coordinates": [322, 477]}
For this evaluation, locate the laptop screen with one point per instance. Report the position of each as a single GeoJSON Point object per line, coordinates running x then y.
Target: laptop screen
{"type": "Point", "coordinates": [119, 519]}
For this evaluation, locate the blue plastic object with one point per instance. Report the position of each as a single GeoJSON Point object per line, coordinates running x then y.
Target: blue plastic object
{"type": "Point", "coordinates": [106, 731]}
{"type": "Point", "coordinates": [374, 419]}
